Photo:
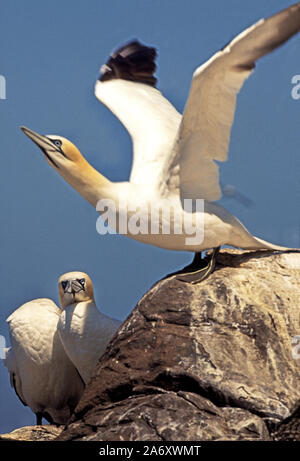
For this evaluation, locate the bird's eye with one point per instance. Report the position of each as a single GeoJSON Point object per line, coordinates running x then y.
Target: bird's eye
{"type": "Point", "coordinates": [81, 281]}
{"type": "Point", "coordinates": [58, 142]}
{"type": "Point", "coordinates": [64, 284]}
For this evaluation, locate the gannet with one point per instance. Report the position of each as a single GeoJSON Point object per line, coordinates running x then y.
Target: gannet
{"type": "Point", "coordinates": [41, 373]}
{"type": "Point", "coordinates": [174, 156]}
{"type": "Point", "coordinates": [84, 331]}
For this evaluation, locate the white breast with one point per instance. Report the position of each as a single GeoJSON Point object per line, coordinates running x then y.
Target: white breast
{"type": "Point", "coordinates": [42, 374]}
{"type": "Point", "coordinates": [85, 333]}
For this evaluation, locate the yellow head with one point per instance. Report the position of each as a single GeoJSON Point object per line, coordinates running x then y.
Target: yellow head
{"type": "Point", "coordinates": [64, 157]}
{"type": "Point", "coordinates": [59, 152]}
{"type": "Point", "coordinates": [74, 287]}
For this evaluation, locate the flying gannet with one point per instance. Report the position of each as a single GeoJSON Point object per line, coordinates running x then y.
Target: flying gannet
{"type": "Point", "coordinates": [174, 156]}
{"type": "Point", "coordinates": [84, 331]}
{"type": "Point", "coordinates": [41, 373]}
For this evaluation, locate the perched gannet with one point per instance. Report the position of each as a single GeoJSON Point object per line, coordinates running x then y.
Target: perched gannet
{"type": "Point", "coordinates": [40, 371]}
{"type": "Point", "coordinates": [174, 157]}
{"type": "Point", "coordinates": [84, 331]}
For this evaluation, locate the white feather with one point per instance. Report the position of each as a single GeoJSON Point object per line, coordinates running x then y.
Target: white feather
{"type": "Point", "coordinates": [150, 119]}
{"type": "Point", "coordinates": [85, 333]}
{"type": "Point", "coordinates": [42, 374]}
{"type": "Point", "coordinates": [180, 153]}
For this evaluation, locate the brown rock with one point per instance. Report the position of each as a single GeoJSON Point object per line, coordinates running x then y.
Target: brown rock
{"type": "Point", "coordinates": [32, 434]}
{"type": "Point", "coordinates": [289, 430]}
{"type": "Point", "coordinates": [202, 362]}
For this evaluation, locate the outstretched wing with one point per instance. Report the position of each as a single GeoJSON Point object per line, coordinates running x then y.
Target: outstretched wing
{"type": "Point", "coordinates": [127, 87]}
{"type": "Point", "coordinates": [204, 131]}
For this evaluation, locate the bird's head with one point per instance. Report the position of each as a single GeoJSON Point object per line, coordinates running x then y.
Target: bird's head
{"type": "Point", "coordinates": [66, 159]}
{"type": "Point", "coordinates": [59, 152]}
{"type": "Point", "coordinates": [74, 287]}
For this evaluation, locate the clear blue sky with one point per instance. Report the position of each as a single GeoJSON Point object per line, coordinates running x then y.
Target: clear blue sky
{"type": "Point", "coordinates": [51, 52]}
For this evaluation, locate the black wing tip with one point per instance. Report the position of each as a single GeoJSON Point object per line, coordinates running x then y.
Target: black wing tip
{"type": "Point", "coordinates": [132, 61]}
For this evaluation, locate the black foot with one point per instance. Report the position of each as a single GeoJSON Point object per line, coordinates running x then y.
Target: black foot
{"type": "Point", "coordinates": [200, 268]}
{"type": "Point", "coordinates": [39, 418]}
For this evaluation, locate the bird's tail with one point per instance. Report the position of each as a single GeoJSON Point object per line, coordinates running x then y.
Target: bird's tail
{"type": "Point", "coordinates": [240, 237]}
{"type": "Point", "coordinates": [263, 245]}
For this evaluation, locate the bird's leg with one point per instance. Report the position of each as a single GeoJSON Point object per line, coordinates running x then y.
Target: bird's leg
{"type": "Point", "coordinates": [39, 418]}
{"type": "Point", "coordinates": [199, 269]}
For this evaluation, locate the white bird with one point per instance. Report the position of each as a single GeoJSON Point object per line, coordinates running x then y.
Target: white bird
{"type": "Point", "coordinates": [174, 156]}
{"type": "Point", "coordinates": [42, 375]}
{"type": "Point", "coordinates": [84, 331]}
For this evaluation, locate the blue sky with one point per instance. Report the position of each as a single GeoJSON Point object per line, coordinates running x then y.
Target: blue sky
{"type": "Point", "coordinates": [50, 56]}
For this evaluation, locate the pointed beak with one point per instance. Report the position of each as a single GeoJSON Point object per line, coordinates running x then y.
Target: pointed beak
{"type": "Point", "coordinates": [38, 139]}
{"type": "Point", "coordinates": [76, 286]}
{"type": "Point", "coordinates": [73, 287]}
{"type": "Point", "coordinates": [42, 141]}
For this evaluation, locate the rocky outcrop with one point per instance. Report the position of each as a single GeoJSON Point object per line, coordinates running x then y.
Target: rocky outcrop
{"type": "Point", "coordinates": [32, 434]}
{"type": "Point", "coordinates": [203, 362]}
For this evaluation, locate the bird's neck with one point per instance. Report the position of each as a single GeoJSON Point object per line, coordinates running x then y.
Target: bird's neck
{"type": "Point", "coordinates": [88, 182]}
{"type": "Point", "coordinates": [80, 309]}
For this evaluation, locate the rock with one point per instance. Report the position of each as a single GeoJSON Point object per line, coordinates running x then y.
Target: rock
{"type": "Point", "coordinates": [175, 416]}
{"type": "Point", "coordinates": [289, 430]}
{"type": "Point", "coordinates": [33, 433]}
{"type": "Point", "coordinates": [202, 362]}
